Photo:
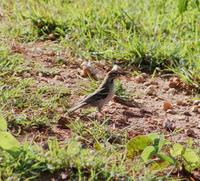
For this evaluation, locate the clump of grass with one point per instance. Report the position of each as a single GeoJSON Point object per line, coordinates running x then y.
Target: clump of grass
{"type": "Point", "coordinates": [75, 161]}
{"type": "Point", "coordinates": [48, 27]}
{"type": "Point", "coordinates": [23, 101]}
{"type": "Point", "coordinates": [149, 35]}
{"type": "Point", "coordinates": [33, 105]}
{"type": "Point", "coordinates": [31, 161]}
{"type": "Point", "coordinates": [146, 34]}
{"type": "Point", "coordinates": [121, 91]}
{"type": "Point", "coordinates": [9, 64]}
{"type": "Point", "coordinates": [95, 134]}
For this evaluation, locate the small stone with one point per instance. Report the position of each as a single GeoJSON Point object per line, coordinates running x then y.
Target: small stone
{"type": "Point", "coordinates": [195, 109]}
{"type": "Point", "coordinates": [168, 125]}
{"type": "Point", "coordinates": [139, 79]}
{"type": "Point", "coordinates": [198, 126]}
{"type": "Point", "coordinates": [64, 175]}
{"type": "Point", "coordinates": [150, 90]}
{"type": "Point", "coordinates": [167, 105]}
{"type": "Point", "coordinates": [44, 79]}
{"type": "Point", "coordinates": [181, 117]}
{"type": "Point", "coordinates": [170, 111]}
{"type": "Point", "coordinates": [196, 174]}
{"type": "Point", "coordinates": [51, 53]}
{"type": "Point", "coordinates": [26, 74]}
{"type": "Point", "coordinates": [88, 70]}
{"type": "Point", "coordinates": [181, 103]}
{"type": "Point", "coordinates": [172, 91]}
{"type": "Point", "coordinates": [191, 133]}
{"type": "Point", "coordinates": [52, 37]}
{"type": "Point", "coordinates": [45, 146]}
{"type": "Point", "coordinates": [166, 88]}
{"type": "Point", "coordinates": [196, 102]}
{"type": "Point", "coordinates": [151, 82]}
{"type": "Point", "coordinates": [145, 75]}
{"type": "Point", "coordinates": [137, 96]}
{"type": "Point", "coordinates": [174, 82]}
{"type": "Point", "coordinates": [1, 13]}
{"type": "Point", "coordinates": [187, 120]}
{"type": "Point", "coordinates": [58, 77]}
{"type": "Point", "coordinates": [146, 83]}
{"type": "Point", "coordinates": [40, 74]}
{"type": "Point", "coordinates": [186, 113]}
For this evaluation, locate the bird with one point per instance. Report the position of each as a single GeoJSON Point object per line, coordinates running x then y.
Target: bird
{"type": "Point", "coordinates": [103, 94]}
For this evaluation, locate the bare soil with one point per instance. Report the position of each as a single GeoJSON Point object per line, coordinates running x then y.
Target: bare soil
{"type": "Point", "coordinates": [142, 114]}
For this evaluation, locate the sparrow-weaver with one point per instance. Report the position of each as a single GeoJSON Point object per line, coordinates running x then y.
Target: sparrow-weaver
{"type": "Point", "coordinates": [102, 95]}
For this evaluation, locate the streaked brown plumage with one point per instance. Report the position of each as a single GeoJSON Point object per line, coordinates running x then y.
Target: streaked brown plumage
{"type": "Point", "coordinates": [102, 95]}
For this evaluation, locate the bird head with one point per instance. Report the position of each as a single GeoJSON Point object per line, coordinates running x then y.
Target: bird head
{"type": "Point", "coordinates": [115, 72]}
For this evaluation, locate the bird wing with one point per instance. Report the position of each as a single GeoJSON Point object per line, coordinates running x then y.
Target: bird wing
{"type": "Point", "coordinates": [99, 94]}
{"type": "Point", "coordinates": [91, 99]}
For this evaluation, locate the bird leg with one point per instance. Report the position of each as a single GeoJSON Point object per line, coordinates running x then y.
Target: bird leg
{"type": "Point", "coordinates": [99, 108]}
{"type": "Point", "coordinates": [99, 113]}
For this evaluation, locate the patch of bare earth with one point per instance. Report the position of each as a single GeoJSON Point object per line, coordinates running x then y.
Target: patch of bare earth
{"type": "Point", "coordinates": [161, 109]}
{"type": "Point", "coordinates": [159, 104]}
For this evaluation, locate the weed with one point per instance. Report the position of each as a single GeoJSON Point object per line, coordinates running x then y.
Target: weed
{"type": "Point", "coordinates": [121, 91]}
{"type": "Point", "coordinates": [149, 35]}
{"type": "Point", "coordinates": [22, 100]}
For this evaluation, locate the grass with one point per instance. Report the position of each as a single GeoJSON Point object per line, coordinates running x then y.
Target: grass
{"type": "Point", "coordinates": [32, 105]}
{"type": "Point", "coordinates": [146, 34]}
{"type": "Point", "coordinates": [78, 159]}
{"type": "Point", "coordinates": [162, 34]}
{"type": "Point", "coordinates": [23, 101]}
{"type": "Point", "coordinates": [79, 163]}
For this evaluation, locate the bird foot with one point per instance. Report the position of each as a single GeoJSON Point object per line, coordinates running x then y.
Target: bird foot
{"type": "Point", "coordinates": [99, 115]}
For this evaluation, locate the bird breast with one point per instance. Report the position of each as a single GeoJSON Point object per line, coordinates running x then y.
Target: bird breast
{"type": "Point", "coordinates": [109, 96]}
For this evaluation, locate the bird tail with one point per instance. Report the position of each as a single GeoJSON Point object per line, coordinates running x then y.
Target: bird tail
{"type": "Point", "coordinates": [74, 108]}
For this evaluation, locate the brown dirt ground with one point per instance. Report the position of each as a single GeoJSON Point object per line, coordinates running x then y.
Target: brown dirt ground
{"type": "Point", "coordinates": [144, 116]}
